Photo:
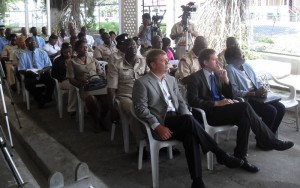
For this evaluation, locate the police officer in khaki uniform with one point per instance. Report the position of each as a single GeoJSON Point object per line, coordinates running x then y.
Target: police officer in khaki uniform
{"type": "Point", "coordinates": [106, 51]}
{"type": "Point", "coordinates": [121, 76]}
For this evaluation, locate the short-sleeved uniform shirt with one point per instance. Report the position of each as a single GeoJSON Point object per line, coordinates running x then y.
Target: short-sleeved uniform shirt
{"type": "Point", "coordinates": [105, 52]}
{"type": "Point", "coordinates": [188, 64]}
{"type": "Point", "coordinates": [122, 75]}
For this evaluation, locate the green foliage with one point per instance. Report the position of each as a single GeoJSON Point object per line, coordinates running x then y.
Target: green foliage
{"type": "Point", "coordinates": [108, 26]}
{"type": "Point", "coordinates": [265, 40]}
{"type": "Point", "coordinates": [248, 54]}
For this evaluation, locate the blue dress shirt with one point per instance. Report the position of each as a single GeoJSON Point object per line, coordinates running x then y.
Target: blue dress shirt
{"type": "Point", "coordinates": [98, 41]}
{"type": "Point", "coordinates": [37, 59]}
{"type": "Point", "coordinates": [40, 41]}
{"type": "Point", "coordinates": [3, 42]}
{"type": "Point", "coordinates": [238, 79]}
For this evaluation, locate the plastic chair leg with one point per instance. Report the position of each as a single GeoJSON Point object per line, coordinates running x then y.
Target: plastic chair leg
{"type": "Point", "coordinates": [210, 161]}
{"type": "Point", "coordinates": [154, 150]}
{"type": "Point", "coordinates": [141, 148]}
{"type": "Point", "coordinates": [27, 99]}
{"type": "Point", "coordinates": [113, 129]}
{"type": "Point", "coordinates": [297, 118]}
{"type": "Point", "coordinates": [125, 129]}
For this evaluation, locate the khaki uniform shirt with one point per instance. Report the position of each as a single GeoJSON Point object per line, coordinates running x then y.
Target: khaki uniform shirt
{"type": "Point", "coordinates": [82, 72]}
{"type": "Point", "coordinates": [188, 64]}
{"type": "Point", "coordinates": [121, 75]}
{"type": "Point", "coordinates": [221, 59]}
{"type": "Point", "coordinates": [105, 52]}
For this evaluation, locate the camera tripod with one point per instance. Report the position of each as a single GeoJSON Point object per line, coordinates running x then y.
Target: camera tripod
{"type": "Point", "coordinates": [185, 40]}
{"type": "Point", "coordinates": [11, 163]}
{"type": "Point", "coordinates": [4, 80]}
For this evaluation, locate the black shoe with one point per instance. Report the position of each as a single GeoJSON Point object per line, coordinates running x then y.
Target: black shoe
{"type": "Point", "coordinates": [283, 145]}
{"type": "Point", "coordinates": [249, 167]}
{"type": "Point", "coordinates": [175, 151]}
{"type": "Point", "coordinates": [262, 147]}
{"type": "Point", "coordinates": [198, 183]}
{"type": "Point", "coordinates": [229, 161]}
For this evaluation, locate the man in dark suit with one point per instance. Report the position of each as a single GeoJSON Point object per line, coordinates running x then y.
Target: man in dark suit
{"type": "Point", "coordinates": [211, 90]}
{"type": "Point", "coordinates": [157, 101]}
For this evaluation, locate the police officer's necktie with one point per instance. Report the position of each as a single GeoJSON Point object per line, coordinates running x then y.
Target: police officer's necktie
{"type": "Point", "coordinates": [214, 88]}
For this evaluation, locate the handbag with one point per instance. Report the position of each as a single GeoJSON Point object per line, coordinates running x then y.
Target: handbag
{"type": "Point", "coordinates": [95, 84]}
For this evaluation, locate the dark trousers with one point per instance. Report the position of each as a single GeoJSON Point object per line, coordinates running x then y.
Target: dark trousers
{"type": "Point", "coordinates": [37, 93]}
{"type": "Point", "coordinates": [188, 130]}
{"type": "Point", "coordinates": [243, 116]}
{"type": "Point", "coordinates": [271, 113]}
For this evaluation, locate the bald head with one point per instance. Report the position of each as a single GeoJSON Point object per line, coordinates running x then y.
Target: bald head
{"type": "Point", "coordinates": [156, 42]}
{"type": "Point", "coordinates": [199, 44]}
{"type": "Point", "coordinates": [231, 41]}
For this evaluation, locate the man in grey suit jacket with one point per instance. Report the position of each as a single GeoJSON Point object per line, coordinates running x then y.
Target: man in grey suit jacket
{"type": "Point", "coordinates": [157, 101]}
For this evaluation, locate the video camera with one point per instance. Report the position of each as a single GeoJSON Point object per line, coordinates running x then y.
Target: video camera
{"type": "Point", "coordinates": [189, 7]}
{"type": "Point", "coordinates": [156, 21]}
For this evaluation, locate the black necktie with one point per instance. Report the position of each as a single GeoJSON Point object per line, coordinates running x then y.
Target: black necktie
{"type": "Point", "coordinates": [214, 88]}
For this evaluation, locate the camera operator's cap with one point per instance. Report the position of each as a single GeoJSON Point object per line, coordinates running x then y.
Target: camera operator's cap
{"type": "Point", "coordinates": [121, 38]}
{"type": "Point", "coordinates": [146, 16]}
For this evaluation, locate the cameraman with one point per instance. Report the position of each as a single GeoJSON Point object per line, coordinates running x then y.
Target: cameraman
{"type": "Point", "coordinates": [146, 32]}
{"type": "Point", "coordinates": [178, 34]}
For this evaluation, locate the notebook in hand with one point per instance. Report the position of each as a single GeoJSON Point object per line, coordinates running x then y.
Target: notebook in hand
{"type": "Point", "coordinates": [271, 97]}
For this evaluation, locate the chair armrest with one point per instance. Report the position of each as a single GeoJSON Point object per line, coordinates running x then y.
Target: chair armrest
{"type": "Point", "coordinates": [203, 115]}
{"type": "Point", "coordinates": [292, 89]}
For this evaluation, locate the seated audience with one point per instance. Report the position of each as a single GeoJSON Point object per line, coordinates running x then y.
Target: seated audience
{"type": "Point", "coordinates": [156, 43]}
{"type": "Point", "coordinates": [73, 40]}
{"type": "Point", "coordinates": [166, 46]}
{"type": "Point", "coordinates": [245, 84]}
{"type": "Point", "coordinates": [82, 36]}
{"type": "Point", "coordinates": [59, 71]}
{"type": "Point", "coordinates": [23, 33]}
{"type": "Point", "coordinates": [157, 101]}
{"type": "Point", "coordinates": [89, 38]}
{"type": "Point", "coordinates": [7, 56]}
{"type": "Point", "coordinates": [44, 34]}
{"type": "Point", "coordinates": [35, 65]}
{"type": "Point", "coordinates": [211, 90]}
{"type": "Point", "coordinates": [62, 37]}
{"type": "Point", "coordinates": [121, 76]}
{"type": "Point", "coordinates": [98, 40]}
{"type": "Point", "coordinates": [39, 40]}
{"type": "Point", "coordinates": [189, 63]}
{"type": "Point", "coordinates": [4, 41]}
{"type": "Point", "coordinates": [230, 42]}
{"type": "Point", "coordinates": [105, 51]}
{"type": "Point", "coordinates": [138, 45]}
{"type": "Point", "coordinates": [52, 48]}
{"type": "Point", "coordinates": [80, 70]}
{"type": "Point", "coordinates": [16, 56]}
{"type": "Point", "coordinates": [113, 38]}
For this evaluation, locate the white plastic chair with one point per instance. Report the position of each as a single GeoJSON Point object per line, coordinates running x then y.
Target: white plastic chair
{"type": "Point", "coordinates": [213, 132]}
{"type": "Point", "coordinates": [155, 146]}
{"type": "Point", "coordinates": [289, 101]}
{"type": "Point", "coordinates": [26, 93]}
{"type": "Point", "coordinates": [124, 124]}
{"type": "Point", "coordinates": [59, 95]}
